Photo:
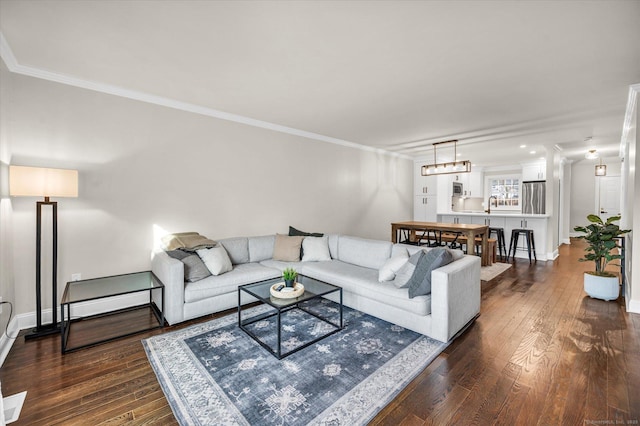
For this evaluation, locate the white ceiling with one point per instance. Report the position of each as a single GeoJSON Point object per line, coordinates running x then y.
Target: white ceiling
{"type": "Point", "coordinates": [393, 75]}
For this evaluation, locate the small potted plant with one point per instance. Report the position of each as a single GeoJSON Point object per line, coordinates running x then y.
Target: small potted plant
{"type": "Point", "coordinates": [289, 275]}
{"type": "Point", "coordinates": [601, 237]}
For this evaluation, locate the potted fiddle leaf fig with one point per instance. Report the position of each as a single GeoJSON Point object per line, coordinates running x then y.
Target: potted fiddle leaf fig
{"type": "Point", "coordinates": [602, 239]}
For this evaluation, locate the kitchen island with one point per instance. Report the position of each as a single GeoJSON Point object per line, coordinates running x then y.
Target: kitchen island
{"type": "Point", "coordinates": [538, 223]}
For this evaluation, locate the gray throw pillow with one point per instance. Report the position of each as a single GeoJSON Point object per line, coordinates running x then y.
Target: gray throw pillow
{"type": "Point", "coordinates": [405, 273]}
{"type": "Point", "coordinates": [420, 282]}
{"type": "Point", "coordinates": [194, 267]}
{"type": "Point", "coordinates": [293, 232]}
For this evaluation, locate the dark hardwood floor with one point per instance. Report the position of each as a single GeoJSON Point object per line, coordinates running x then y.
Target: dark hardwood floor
{"type": "Point", "coordinates": [541, 353]}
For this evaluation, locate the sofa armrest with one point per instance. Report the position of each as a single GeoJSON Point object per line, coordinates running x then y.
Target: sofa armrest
{"type": "Point", "coordinates": [171, 272]}
{"type": "Point", "coordinates": [455, 296]}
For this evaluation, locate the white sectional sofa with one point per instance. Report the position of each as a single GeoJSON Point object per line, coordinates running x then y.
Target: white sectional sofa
{"type": "Point", "coordinates": [453, 303]}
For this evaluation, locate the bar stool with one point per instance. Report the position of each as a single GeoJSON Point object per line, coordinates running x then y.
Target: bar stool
{"type": "Point", "coordinates": [502, 246]}
{"type": "Point", "coordinates": [531, 244]}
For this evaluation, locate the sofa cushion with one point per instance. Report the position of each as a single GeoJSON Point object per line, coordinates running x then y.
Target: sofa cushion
{"type": "Point", "coordinates": [237, 248]}
{"type": "Point", "coordinates": [261, 248]}
{"type": "Point", "coordinates": [392, 266]}
{"type": "Point", "coordinates": [281, 266]}
{"type": "Point", "coordinates": [364, 282]}
{"type": "Point", "coordinates": [420, 282]}
{"type": "Point", "coordinates": [287, 248]}
{"type": "Point", "coordinates": [244, 273]}
{"type": "Point", "coordinates": [361, 252]}
{"type": "Point", "coordinates": [216, 259]}
{"type": "Point", "coordinates": [333, 245]}
{"type": "Point", "coordinates": [407, 270]}
{"type": "Point", "coordinates": [194, 267]}
{"type": "Point", "coordinates": [315, 249]}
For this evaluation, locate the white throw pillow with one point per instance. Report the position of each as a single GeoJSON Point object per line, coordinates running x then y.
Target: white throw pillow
{"type": "Point", "coordinates": [315, 249]}
{"type": "Point", "coordinates": [216, 259]}
{"type": "Point", "coordinates": [392, 266]}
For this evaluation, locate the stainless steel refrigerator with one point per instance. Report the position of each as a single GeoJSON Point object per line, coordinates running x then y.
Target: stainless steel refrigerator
{"type": "Point", "coordinates": [533, 197]}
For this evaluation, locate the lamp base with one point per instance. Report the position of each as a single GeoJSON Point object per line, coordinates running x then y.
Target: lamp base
{"type": "Point", "coordinates": [45, 330]}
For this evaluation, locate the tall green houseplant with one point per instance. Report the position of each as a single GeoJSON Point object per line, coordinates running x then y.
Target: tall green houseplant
{"type": "Point", "coordinates": [601, 237]}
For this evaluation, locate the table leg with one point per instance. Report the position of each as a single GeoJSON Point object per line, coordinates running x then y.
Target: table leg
{"type": "Point", "coordinates": [394, 234]}
{"type": "Point", "coordinates": [278, 324]}
{"type": "Point", "coordinates": [470, 242]}
{"type": "Point", "coordinates": [485, 249]}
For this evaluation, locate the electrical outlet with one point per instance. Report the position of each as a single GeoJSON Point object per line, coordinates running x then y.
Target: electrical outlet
{"type": "Point", "coordinates": [76, 277]}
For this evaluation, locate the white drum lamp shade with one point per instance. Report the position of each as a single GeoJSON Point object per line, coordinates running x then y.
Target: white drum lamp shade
{"type": "Point", "coordinates": [42, 182]}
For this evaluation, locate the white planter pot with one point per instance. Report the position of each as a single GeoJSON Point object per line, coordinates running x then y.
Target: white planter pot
{"type": "Point", "coordinates": [605, 288]}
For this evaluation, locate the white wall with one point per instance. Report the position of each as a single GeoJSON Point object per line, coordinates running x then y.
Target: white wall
{"type": "Point", "coordinates": [583, 189]}
{"type": "Point", "coordinates": [631, 199]}
{"type": "Point", "coordinates": [6, 252]}
{"type": "Point", "coordinates": [565, 200]}
{"type": "Point", "coordinates": [142, 165]}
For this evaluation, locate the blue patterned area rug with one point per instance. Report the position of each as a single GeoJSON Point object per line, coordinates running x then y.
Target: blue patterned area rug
{"type": "Point", "coordinates": [215, 374]}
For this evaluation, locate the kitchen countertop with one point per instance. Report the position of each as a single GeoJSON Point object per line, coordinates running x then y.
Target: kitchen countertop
{"type": "Point", "coordinates": [496, 214]}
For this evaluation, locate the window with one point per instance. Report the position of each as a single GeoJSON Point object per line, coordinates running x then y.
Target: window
{"type": "Point", "coordinates": [506, 190]}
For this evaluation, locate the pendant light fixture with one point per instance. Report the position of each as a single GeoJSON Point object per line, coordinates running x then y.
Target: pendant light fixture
{"type": "Point", "coordinates": [446, 167]}
{"type": "Point", "coordinates": [601, 169]}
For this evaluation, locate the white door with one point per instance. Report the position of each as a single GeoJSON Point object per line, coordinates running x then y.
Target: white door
{"type": "Point", "coordinates": [608, 196]}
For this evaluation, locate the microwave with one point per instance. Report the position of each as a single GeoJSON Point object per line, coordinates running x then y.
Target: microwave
{"type": "Point", "coordinates": [457, 189]}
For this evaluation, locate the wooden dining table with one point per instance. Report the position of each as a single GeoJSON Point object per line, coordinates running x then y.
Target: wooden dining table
{"type": "Point", "coordinates": [469, 230]}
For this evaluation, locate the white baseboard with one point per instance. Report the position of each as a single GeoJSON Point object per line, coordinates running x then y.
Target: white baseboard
{"type": "Point", "coordinates": [566, 241]}
{"type": "Point", "coordinates": [553, 255]}
{"type": "Point", "coordinates": [633, 306]}
{"type": "Point", "coordinates": [522, 254]}
{"type": "Point", "coordinates": [84, 309]}
{"type": "Point", "coordinates": [5, 342]}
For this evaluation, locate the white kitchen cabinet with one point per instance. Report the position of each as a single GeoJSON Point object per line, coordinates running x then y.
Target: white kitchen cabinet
{"type": "Point", "coordinates": [475, 184]}
{"type": "Point", "coordinates": [534, 171]}
{"type": "Point", "coordinates": [423, 185]}
{"type": "Point", "coordinates": [472, 183]}
{"type": "Point", "coordinates": [472, 186]}
{"type": "Point", "coordinates": [445, 191]}
{"type": "Point", "coordinates": [452, 218]}
{"type": "Point", "coordinates": [424, 208]}
{"type": "Point", "coordinates": [492, 221]}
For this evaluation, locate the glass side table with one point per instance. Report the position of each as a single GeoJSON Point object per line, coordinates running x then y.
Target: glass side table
{"type": "Point", "coordinates": [106, 287]}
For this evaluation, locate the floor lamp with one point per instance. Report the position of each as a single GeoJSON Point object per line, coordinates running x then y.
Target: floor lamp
{"type": "Point", "coordinates": [43, 182]}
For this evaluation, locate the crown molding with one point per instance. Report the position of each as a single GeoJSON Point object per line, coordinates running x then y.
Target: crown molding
{"type": "Point", "coordinates": [12, 64]}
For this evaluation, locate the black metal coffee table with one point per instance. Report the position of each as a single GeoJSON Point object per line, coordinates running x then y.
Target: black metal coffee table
{"type": "Point", "coordinates": [314, 290]}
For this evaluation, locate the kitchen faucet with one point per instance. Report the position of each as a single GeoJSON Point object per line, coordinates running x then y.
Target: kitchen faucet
{"type": "Point", "coordinates": [488, 210]}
